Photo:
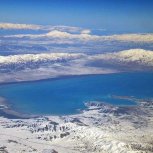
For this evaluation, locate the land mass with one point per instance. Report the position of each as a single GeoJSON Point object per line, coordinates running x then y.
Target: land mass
{"type": "Point", "coordinates": [29, 67]}
{"type": "Point", "coordinates": [101, 128]}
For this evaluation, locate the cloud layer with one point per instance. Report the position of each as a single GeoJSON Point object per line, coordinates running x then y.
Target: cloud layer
{"type": "Point", "coordinates": [15, 26]}
{"type": "Point", "coordinates": [19, 26]}
{"type": "Point", "coordinates": [66, 39]}
{"type": "Point", "coordinates": [85, 35]}
{"type": "Point", "coordinates": [132, 37]}
{"type": "Point", "coordinates": [70, 32]}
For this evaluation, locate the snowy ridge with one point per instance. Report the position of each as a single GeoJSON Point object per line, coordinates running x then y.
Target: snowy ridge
{"type": "Point", "coordinates": [133, 55]}
{"type": "Point", "coordinates": [11, 59]}
{"type": "Point", "coordinates": [139, 56]}
{"type": "Point", "coordinates": [50, 65]}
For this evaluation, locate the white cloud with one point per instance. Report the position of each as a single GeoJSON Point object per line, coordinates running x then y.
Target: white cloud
{"type": "Point", "coordinates": [19, 26]}
{"type": "Point", "coordinates": [58, 34]}
{"type": "Point", "coordinates": [86, 36]}
{"type": "Point", "coordinates": [68, 32]}
{"type": "Point", "coordinates": [132, 37]}
{"type": "Point", "coordinates": [86, 31]}
{"type": "Point", "coordinates": [62, 28]}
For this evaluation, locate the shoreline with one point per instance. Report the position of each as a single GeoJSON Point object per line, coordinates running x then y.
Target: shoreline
{"type": "Point", "coordinates": [70, 76]}
{"type": "Point", "coordinates": [107, 127]}
{"type": "Point", "coordinates": [57, 78]}
{"type": "Point", "coordinates": [8, 112]}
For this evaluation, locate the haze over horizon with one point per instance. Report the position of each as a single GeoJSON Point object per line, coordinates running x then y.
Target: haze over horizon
{"type": "Point", "coordinates": [113, 16]}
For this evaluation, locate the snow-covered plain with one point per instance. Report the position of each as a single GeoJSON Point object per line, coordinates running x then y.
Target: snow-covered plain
{"type": "Point", "coordinates": [102, 128]}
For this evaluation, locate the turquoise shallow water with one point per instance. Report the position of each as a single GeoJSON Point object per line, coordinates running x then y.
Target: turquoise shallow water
{"type": "Point", "coordinates": [67, 95]}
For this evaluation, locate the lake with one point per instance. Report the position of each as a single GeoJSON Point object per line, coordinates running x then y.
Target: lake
{"type": "Point", "coordinates": [67, 95]}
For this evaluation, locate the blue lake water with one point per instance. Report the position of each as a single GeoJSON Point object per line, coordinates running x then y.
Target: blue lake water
{"type": "Point", "coordinates": [67, 95]}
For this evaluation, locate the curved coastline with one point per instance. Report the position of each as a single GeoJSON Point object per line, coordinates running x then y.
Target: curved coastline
{"type": "Point", "coordinates": [9, 112]}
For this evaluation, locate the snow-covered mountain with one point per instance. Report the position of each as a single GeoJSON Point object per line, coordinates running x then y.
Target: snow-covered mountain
{"type": "Point", "coordinates": [38, 57]}
{"type": "Point", "coordinates": [138, 56]}
{"type": "Point", "coordinates": [40, 66]}
{"type": "Point", "coordinates": [133, 55]}
{"type": "Point", "coordinates": [33, 61]}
